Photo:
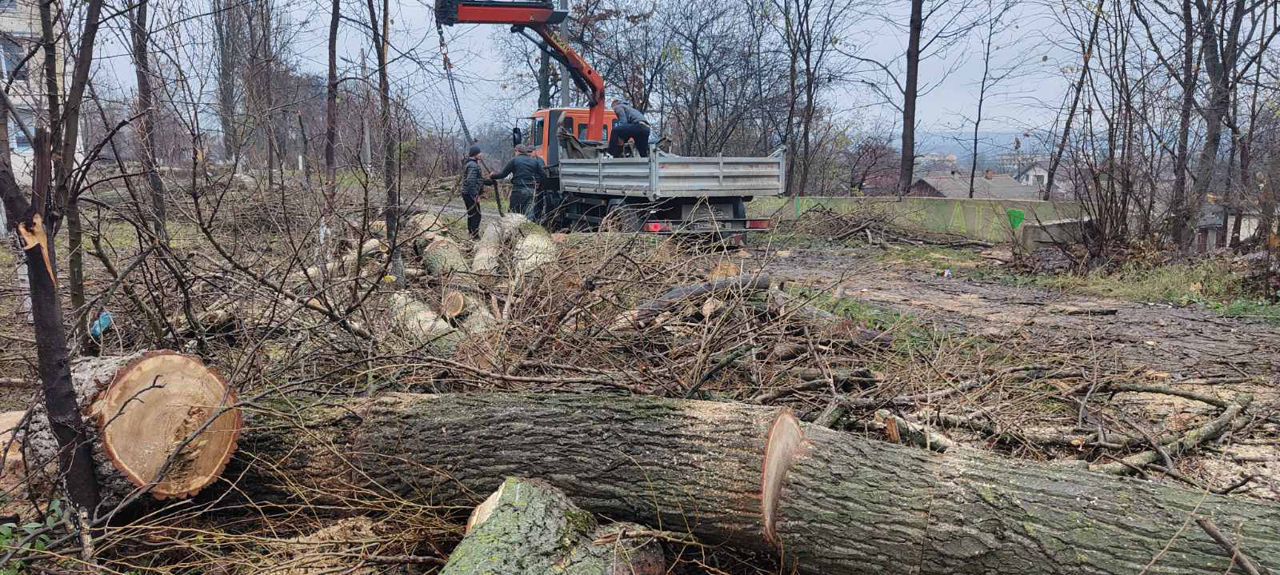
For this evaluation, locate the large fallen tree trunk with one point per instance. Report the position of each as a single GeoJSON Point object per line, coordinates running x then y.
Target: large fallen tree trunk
{"type": "Point", "coordinates": [756, 478]}
{"type": "Point", "coordinates": [161, 420]}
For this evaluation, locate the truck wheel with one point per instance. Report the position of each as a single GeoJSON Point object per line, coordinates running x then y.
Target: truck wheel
{"type": "Point", "coordinates": [624, 218]}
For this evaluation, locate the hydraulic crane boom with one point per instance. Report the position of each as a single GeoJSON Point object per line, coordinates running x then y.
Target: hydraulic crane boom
{"type": "Point", "coordinates": [538, 16]}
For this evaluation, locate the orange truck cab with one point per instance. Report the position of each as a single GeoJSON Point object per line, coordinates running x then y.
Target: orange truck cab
{"type": "Point", "coordinates": [541, 130]}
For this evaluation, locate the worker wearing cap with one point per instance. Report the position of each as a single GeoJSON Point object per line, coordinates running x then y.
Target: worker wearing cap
{"type": "Point", "coordinates": [631, 125]}
{"type": "Point", "coordinates": [472, 185]}
{"type": "Point", "coordinates": [526, 171]}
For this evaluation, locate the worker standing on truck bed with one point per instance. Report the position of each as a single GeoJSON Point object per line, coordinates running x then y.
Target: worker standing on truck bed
{"type": "Point", "coordinates": [526, 171]}
{"type": "Point", "coordinates": [631, 125]}
{"type": "Point", "coordinates": [472, 184]}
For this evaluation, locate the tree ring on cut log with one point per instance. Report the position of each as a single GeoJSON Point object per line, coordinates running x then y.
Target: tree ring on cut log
{"type": "Point", "coordinates": [151, 406]}
{"type": "Point", "coordinates": [786, 443]}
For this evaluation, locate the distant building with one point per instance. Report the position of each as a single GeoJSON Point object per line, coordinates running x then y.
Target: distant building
{"type": "Point", "coordinates": [988, 186]}
{"type": "Point", "coordinates": [1035, 174]}
{"type": "Point", "coordinates": [935, 162]}
{"type": "Point", "coordinates": [19, 36]}
{"type": "Point", "coordinates": [1014, 162]}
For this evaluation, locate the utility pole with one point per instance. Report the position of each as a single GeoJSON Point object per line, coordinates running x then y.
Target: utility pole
{"type": "Point", "coordinates": [564, 71]}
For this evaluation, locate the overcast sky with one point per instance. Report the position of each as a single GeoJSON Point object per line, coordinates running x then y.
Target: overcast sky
{"type": "Point", "coordinates": [1027, 101]}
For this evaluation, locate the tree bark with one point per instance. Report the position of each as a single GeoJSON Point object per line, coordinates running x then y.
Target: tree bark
{"type": "Point", "coordinates": [528, 527]}
{"type": "Point", "coordinates": [907, 167]}
{"type": "Point", "coordinates": [757, 479]}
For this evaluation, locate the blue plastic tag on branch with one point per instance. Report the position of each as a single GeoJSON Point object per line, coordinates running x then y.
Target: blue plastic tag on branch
{"type": "Point", "coordinates": [100, 325]}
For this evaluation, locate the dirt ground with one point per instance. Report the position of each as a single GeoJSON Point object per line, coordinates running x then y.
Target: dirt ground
{"type": "Point", "coordinates": [1189, 348]}
{"type": "Point", "coordinates": [1187, 343]}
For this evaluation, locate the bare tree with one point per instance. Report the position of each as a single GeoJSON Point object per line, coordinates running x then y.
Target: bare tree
{"type": "Point", "coordinates": [139, 28]}
{"type": "Point", "coordinates": [1086, 51]}
{"type": "Point", "coordinates": [990, 78]}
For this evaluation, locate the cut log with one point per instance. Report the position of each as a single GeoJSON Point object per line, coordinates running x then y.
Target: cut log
{"type": "Point", "coordinates": [466, 311]}
{"type": "Point", "coordinates": [160, 419]}
{"type": "Point", "coordinates": [12, 471]}
{"type": "Point", "coordinates": [442, 256]}
{"type": "Point", "coordinates": [645, 313]}
{"type": "Point", "coordinates": [490, 249]}
{"type": "Point", "coordinates": [452, 304]}
{"type": "Point", "coordinates": [528, 527]}
{"type": "Point", "coordinates": [533, 249]}
{"type": "Point", "coordinates": [369, 251]}
{"type": "Point", "coordinates": [422, 326]}
{"type": "Point", "coordinates": [757, 479]}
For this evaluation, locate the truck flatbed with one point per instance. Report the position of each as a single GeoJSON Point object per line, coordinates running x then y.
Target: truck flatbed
{"type": "Point", "coordinates": [666, 176]}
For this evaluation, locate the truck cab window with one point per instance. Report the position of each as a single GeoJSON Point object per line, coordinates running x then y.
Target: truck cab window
{"type": "Point", "coordinates": [539, 128]}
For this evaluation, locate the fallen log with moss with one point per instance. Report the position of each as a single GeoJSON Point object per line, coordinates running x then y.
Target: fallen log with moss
{"type": "Point", "coordinates": [528, 527]}
{"type": "Point", "coordinates": [757, 479]}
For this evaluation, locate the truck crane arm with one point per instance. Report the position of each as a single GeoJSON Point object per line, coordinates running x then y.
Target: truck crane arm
{"type": "Point", "coordinates": [539, 16]}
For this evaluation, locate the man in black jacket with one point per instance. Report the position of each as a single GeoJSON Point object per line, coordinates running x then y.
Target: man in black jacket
{"type": "Point", "coordinates": [632, 125]}
{"type": "Point", "coordinates": [526, 171]}
{"type": "Point", "coordinates": [472, 185]}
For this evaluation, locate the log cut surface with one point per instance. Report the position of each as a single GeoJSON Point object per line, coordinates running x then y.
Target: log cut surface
{"type": "Point", "coordinates": [151, 406]}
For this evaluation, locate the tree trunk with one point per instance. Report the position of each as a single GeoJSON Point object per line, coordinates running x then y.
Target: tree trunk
{"type": "Point", "coordinates": [757, 479]}
{"type": "Point", "coordinates": [389, 143]}
{"type": "Point", "coordinates": [907, 167]}
{"type": "Point", "coordinates": [75, 459]}
{"type": "Point", "coordinates": [155, 415]}
{"type": "Point", "coordinates": [443, 256]}
{"type": "Point", "coordinates": [227, 38]}
{"type": "Point", "coordinates": [331, 110]}
{"type": "Point", "coordinates": [1181, 158]}
{"type": "Point", "coordinates": [423, 327]}
{"type": "Point", "coordinates": [528, 527]}
{"type": "Point", "coordinates": [147, 121]}
{"type": "Point", "coordinates": [1220, 64]}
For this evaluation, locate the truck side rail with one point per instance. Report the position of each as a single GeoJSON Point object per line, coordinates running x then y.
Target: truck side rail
{"type": "Point", "coordinates": [667, 176]}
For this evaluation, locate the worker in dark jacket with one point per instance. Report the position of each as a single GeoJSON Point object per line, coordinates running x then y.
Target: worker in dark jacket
{"type": "Point", "coordinates": [632, 125]}
{"type": "Point", "coordinates": [526, 171]}
{"type": "Point", "coordinates": [472, 185]}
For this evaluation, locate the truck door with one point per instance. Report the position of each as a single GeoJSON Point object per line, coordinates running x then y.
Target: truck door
{"type": "Point", "coordinates": [547, 133]}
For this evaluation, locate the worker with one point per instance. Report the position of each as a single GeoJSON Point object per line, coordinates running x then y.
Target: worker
{"type": "Point", "coordinates": [526, 171]}
{"type": "Point", "coordinates": [632, 125]}
{"type": "Point", "coordinates": [472, 185]}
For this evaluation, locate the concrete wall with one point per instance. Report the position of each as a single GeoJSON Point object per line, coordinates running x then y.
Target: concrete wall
{"type": "Point", "coordinates": [985, 220]}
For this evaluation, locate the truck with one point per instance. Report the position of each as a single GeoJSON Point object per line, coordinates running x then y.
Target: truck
{"type": "Point", "coordinates": [662, 194]}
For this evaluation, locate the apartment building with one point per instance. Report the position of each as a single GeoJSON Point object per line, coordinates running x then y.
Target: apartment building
{"type": "Point", "coordinates": [19, 37]}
